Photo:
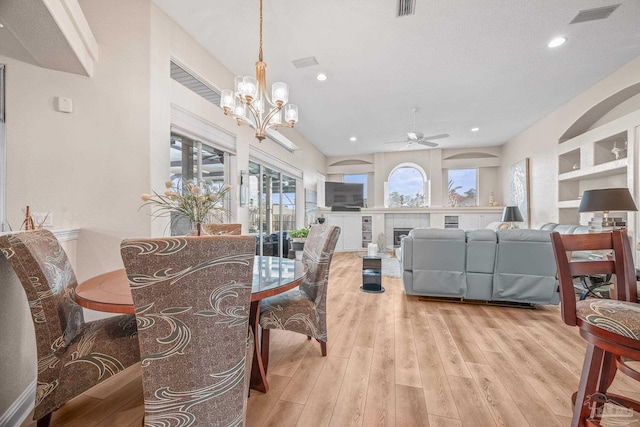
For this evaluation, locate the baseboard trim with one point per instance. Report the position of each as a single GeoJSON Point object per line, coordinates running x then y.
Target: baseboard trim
{"type": "Point", "coordinates": [21, 407]}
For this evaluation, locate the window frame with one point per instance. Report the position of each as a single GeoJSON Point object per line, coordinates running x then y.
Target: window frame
{"type": "Point", "coordinates": [477, 182]}
{"type": "Point", "coordinates": [426, 186]}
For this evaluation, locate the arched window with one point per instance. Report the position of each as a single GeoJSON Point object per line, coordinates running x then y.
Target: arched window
{"type": "Point", "coordinates": [408, 186]}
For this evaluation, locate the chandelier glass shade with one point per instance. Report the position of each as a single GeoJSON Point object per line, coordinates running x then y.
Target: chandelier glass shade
{"type": "Point", "coordinates": [250, 103]}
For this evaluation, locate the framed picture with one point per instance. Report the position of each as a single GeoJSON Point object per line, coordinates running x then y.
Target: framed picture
{"type": "Point", "coordinates": [519, 189]}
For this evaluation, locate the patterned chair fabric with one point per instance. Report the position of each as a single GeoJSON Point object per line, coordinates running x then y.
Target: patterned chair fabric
{"type": "Point", "coordinates": [304, 309]}
{"type": "Point", "coordinates": [620, 317]}
{"type": "Point", "coordinates": [192, 298]}
{"type": "Point", "coordinates": [73, 356]}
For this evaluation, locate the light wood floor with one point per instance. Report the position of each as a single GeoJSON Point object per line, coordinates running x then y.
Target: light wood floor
{"type": "Point", "coordinates": [396, 360]}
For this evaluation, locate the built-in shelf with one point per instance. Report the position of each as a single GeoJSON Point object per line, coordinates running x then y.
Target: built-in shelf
{"type": "Point", "coordinates": [615, 167]}
{"type": "Point", "coordinates": [569, 162]}
{"type": "Point", "coordinates": [565, 204]}
{"type": "Point", "coordinates": [601, 157]}
{"type": "Point", "coordinates": [367, 230]}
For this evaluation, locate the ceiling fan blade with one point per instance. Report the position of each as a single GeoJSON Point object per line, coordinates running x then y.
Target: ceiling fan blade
{"type": "Point", "coordinates": [406, 147]}
{"type": "Point", "coordinates": [442, 135]}
{"type": "Point", "coordinates": [428, 143]}
{"type": "Point", "coordinates": [397, 142]}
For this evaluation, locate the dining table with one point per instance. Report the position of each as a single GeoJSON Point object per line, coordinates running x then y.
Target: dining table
{"type": "Point", "coordinates": [110, 292]}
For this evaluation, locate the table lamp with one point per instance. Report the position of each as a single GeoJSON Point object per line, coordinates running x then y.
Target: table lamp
{"type": "Point", "coordinates": [512, 214]}
{"type": "Point", "coordinates": [606, 200]}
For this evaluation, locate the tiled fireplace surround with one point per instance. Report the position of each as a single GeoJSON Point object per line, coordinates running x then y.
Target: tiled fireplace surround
{"type": "Point", "coordinates": [401, 223]}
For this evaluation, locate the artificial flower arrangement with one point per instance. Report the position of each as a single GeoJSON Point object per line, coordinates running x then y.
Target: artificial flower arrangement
{"type": "Point", "coordinates": [198, 201]}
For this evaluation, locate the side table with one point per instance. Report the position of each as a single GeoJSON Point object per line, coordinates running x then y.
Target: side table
{"type": "Point", "coordinates": [372, 272]}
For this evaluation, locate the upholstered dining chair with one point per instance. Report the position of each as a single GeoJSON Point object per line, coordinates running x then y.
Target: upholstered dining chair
{"type": "Point", "coordinates": [192, 297]}
{"type": "Point", "coordinates": [610, 327]}
{"type": "Point", "coordinates": [72, 355]}
{"type": "Point", "coordinates": [304, 309]}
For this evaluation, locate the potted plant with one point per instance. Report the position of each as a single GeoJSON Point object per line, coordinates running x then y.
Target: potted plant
{"type": "Point", "coordinates": [198, 201]}
{"type": "Point", "coordinates": [298, 238]}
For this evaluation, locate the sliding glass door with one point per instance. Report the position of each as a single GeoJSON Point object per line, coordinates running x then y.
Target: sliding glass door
{"type": "Point", "coordinates": [272, 208]}
{"type": "Point", "coordinates": [193, 160]}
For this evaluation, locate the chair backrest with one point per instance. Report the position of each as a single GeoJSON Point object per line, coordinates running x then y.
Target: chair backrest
{"type": "Point", "coordinates": [316, 256]}
{"type": "Point", "coordinates": [49, 283]}
{"type": "Point", "coordinates": [192, 298]}
{"type": "Point", "coordinates": [620, 264]}
{"type": "Point", "coordinates": [233, 229]}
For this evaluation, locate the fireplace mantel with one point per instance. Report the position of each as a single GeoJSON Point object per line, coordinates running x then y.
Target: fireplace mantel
{"type": "Point", "coordinates": [430, 209]}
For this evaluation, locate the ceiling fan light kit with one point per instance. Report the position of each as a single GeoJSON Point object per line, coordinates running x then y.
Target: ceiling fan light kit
{"type": "Point", "coordinates": [249, 102]}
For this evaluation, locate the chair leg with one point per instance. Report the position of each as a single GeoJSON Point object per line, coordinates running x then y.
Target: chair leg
{"type": "Point", "coordinates": [323, 347]}
{"type": "Point", "coordinates": [264, 348]}
{"type": "Point", "coordinates": [593, 364]}
{"type": "Point", "coordinates": [608, 372]}
{"type": "Point", "coordinates": [45, 421]}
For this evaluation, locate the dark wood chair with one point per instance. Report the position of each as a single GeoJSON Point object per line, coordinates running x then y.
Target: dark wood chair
{"type": "Point", "coordinates": [610, 327]}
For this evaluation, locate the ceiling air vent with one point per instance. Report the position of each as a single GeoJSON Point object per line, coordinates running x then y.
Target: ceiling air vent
{"type": "Point", "coordinates": [193, 83]}
{"type": "Point", "coordinates": [406, 7]}
{"type": "Point", "coordinates": [594, 14]}
{"type": "Point", "coordinates": [305, 62]}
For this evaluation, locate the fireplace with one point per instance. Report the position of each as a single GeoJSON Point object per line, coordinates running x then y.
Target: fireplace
{"type": "Point", "coordinates": [398, 233]}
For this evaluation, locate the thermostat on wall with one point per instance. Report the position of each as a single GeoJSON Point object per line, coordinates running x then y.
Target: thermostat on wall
{"type": "Point", "coordinates": [64, 105]}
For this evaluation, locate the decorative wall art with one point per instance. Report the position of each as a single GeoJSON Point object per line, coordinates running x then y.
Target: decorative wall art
{"type": "Point", "coordinates": [520, 189]}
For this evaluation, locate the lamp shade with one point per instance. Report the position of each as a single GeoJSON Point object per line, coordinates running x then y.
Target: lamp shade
{"type": "Point", "coordinates": [607, 199]}
{"type": "Point", "coordinates": [511, 214]}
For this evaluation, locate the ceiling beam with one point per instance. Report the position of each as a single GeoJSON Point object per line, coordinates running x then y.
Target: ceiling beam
{"type": "Point", "coordinates": [54, 32]}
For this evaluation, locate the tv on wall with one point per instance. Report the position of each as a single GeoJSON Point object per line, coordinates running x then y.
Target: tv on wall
{"type": "Point", "coordinates": [344, 195]}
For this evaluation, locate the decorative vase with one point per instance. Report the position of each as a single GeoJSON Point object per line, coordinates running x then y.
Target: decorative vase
{"type": "Point", "coordinates": [198, 229]}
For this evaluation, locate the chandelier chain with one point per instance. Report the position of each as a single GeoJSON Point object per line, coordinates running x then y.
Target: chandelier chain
{"type": "Point", "coordinates": [260, 53]}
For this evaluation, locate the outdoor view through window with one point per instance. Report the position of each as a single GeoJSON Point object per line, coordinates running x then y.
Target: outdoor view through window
{"type": "Point", "coordinates": [406, 187]}
{"type": "Point", "coordinates": [463, 187]}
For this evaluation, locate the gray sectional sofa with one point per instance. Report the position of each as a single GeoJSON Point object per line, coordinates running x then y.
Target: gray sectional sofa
{"type": "Point", "coordinates": [500, 266]}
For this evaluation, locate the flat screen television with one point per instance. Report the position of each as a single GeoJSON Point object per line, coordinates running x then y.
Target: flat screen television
{"type": "Point", "coordinates": [342, 194]}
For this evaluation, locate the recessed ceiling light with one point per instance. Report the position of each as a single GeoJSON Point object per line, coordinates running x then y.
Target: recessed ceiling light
{"type": "Point", "coordinates": [321, 77]}
{"type": "Point", "coordinates": [353, 139]}
{"type": "Point", "coordinates": [1, 25]}
{"type": "Point", "coordinates": [475, 129]}
{"type": "Point", "coordinates": [557, 42]}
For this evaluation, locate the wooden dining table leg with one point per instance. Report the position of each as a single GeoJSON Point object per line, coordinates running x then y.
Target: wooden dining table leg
{"type": "Point", "coordinates": [258, 371]}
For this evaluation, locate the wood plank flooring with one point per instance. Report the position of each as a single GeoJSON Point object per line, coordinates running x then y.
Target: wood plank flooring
{"type": "Point", "coordinates": [396, 360]}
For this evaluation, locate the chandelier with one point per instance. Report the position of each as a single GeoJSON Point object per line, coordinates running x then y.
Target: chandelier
{"type": "Point", "coordinates": [249, 102]}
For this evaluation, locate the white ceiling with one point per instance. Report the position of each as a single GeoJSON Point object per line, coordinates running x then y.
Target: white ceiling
{"type": "Point", "coordinates": [463, 63]}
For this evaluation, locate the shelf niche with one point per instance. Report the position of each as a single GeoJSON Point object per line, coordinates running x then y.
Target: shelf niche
{"type": "Point", "coordinates": [569, 162]}
{"type": "Point", "coordinates": [603, 149]}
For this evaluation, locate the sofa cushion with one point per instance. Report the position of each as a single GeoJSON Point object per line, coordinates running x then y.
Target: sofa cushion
{"type": "Point", "coordinates": [481, 251]}
{"type": "Point", "coordinates": [437, 261]}
{"type": "Point", "coordinates": [565, 228]}
{"type": "Point", "coordinates": [525, 267]}
{"type": "Point", "coordinates": [549, 226]}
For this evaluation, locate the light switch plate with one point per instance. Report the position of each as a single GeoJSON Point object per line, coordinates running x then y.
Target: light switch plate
{"type": "Point", "coordinates": [64, 105]}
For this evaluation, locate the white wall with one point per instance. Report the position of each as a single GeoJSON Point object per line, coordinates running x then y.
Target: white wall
{"type": "Point", "coordinates": [433, 162]}
{"type": "Point", "coordinates": [540, 141]}
{"type": "Point", "coordinates": [89, 167]}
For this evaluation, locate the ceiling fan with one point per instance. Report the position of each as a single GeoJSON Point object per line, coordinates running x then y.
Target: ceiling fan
{"type": "Point", "coordinates": [414, 139]}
